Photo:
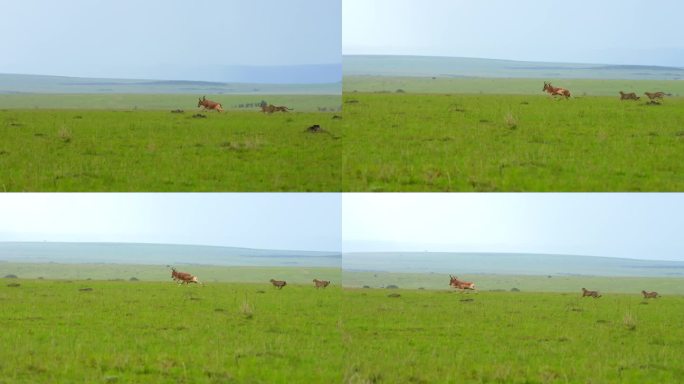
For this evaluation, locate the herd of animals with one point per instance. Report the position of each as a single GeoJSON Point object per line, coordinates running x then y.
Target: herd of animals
{"type": "Point", "coordinates": [187, 278]}
{"type": "Point", "coordinates": [211, 105]}
{"type": "Point", "coordinates": [468, 285]}
{"type": "Point", "coordinates": [654, 97]}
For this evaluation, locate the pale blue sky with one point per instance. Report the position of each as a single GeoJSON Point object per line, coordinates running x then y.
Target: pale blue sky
{"type": "Point", "coordinates": [131, 38]}
{"type": "Point", "coordinates": [580, 31]}
{"type": "Point", "coordinates": [304, 221]}
{"type": "Point", "coordinates": [637, 225]}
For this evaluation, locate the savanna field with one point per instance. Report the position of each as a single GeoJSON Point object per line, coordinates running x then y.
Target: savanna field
{"type": "Point", "coordinates": [449, 142]}
{"type": "Point", "coordinates": [65, 331]}
{"type": "Point", "coordinates": [420, 336]}
{"type": "Point", "coordinates": [148, 149]}
{"type": "Point", "coordinates": [147, 329]}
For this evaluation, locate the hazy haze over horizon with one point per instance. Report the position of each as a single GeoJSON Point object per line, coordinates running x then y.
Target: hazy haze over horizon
{"type": "Point", "coordinates": [636, 226]}
{"type": "Point", "coordinates": [172, 39]}
{"type": "Point", "coordinates": [278, 221]}
{"type": "Point", "coordinates": [627, 32]}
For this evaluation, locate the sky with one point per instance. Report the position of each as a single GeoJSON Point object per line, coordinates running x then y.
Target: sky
{"type": "Point", "coordinates": [633, 32]}
{"type": "Point", "coordinates": [637, 225]}
{"type": "Point", "coordinates": [306, 221]}
{"type": "Point", "coordinates": [133, 39]}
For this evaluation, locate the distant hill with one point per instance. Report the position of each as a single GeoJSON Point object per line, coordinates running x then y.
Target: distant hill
{"type": "Point", "coordinates": [31, 84]}
{"type": "Point", "coordinates": [455, 67]}
{"type": "Point", "coordinates": [161, 254]}
{"type": "Point", "coordinates": [509, 264]}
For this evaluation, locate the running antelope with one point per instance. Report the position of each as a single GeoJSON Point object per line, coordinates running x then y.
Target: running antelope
{"type": "Point", "coordinates": [628, 96]}
{"type": "Point", "coordinates": [649, 295]}
{"type": "Point", "coordinates": [653, 96]}
{"type": "Point", "coordinates": [183, 277]}
{"type": "Point", "coordinates": [208, 104]}
{"type": "Point", "coordinates": [593, 294]}
{"type": "Point", "coordinates": [320, 283]}
{"type": "Point", "coordinates": [555, 91]}
{"type": "Point", "coordinates": [462, 285]}
{"type": "Point", "coordinates": [278, 283]}
{"type": "Point", "coordinates": [270, 108]}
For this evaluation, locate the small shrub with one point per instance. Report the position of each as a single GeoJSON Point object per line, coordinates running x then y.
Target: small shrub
{"type": "Point", "coordinates": [247, 310]}
{"type": "Point", "coordinates": [515, 289]}
{"type": "Point", "coordinates": [392, 286]}
{"type": "Point", "coordinates": [510, 121]}
{"type": "Point", "coordinates": [10, 276]}
{"type": "Point", "coordinates": [133, 279]}
{"type": "Point", "coordinates": [365, 286]}
{"type": "Point", "coordinates": [64, 134]}
{"type": "Point", "coordinates": [629, 321]}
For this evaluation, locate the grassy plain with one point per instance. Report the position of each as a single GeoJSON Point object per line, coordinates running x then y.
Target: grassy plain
{"type": "Point", "coordinates": [461, 142]}
{"type": "Point", "coordinates": [507, 86]}
{"type": "Point", "coordinates": [148, 150]}
{"type": "Point", "coordinates": [510, 337]}
{"type": "Point", "coordinates": [64, 331]}
{"type": "Point", "coordinates": [524, 283]}
{"type": "Point", "coordinates": [187, 102]}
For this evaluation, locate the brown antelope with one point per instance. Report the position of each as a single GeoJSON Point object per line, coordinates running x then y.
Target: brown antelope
{"type": "Point", "coordinates": [594, 294]}
{"type": "Point", "coordinates": [183, 277]}
{"type": "Point", "coordinates": [267, 108]}
{"type": "Point", "coordinates": [628, 96]}
{"type": "Point", "coordinates": [320, 283]}
{"type": "Point", "coordinates": [270, 108]}
{"type": "Point", "coordinates": [208, 104]}
{"type": "Point", "coordinates": [555, 91]}
{"type": "Point", "coordinates": [653, 96]}
{"type": "Point", "coordinates": [649, 295]}
{"type": "Point", "coordinates": [282, 108]}
{"type": "Point", "coordinates": [462, 285]}
{"type": "Point", "coordinates": [278, 283]}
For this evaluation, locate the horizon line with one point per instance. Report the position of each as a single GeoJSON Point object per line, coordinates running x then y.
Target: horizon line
{"type": "Point", "coordinates": [512, 60]}
{"type": "Point", "coordinates": [172, 244]}
{"type": "Point", "coordinates": [513, 253]}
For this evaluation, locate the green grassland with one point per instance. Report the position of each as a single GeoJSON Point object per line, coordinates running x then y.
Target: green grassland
{"type": "Point", "coordinates": [523, 283]}
{"type": "Point", "coordinates": [459, 142]}
{"type": "Point", "coordinates": [205, 273]}
{"type": "Point", "coordinates": [510, 337]}
{"type": "Point", "coordinates": [187, 102]}
{"type": "Point", "coordinates": [504, 86]}
{"type": "Point", "coordinates": [58, 331]}
{"type": "Point", "coordinates": [147, 150]}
